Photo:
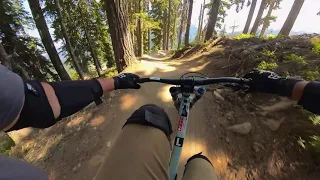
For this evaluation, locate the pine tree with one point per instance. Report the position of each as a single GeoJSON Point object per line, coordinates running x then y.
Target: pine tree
{"type": "Point", "coordinates": [25, 52]}
{"type": "Point", "coordinates": [186, 37]}
{"type": "Point", "coordinates": [250, 16]}
{"type": "Point", "coordinates": [294, 12]}
{"type": "Point", "coordinates": [46, 38]}
{"type": "Point", "coordinates": [258, 18]}
{"type": "Point", "coordinates": [67, 40]}
{"type": "Point", "coordinates": [214, 11]}
{"type": "Point", "coordinates": [120, 34]}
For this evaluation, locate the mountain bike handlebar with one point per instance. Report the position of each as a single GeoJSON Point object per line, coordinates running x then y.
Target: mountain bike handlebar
{"type": "Point", "coordinates": [194, 82]}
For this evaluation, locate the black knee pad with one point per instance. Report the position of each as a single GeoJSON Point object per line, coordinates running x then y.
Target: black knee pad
{"type": "Point", "coordinates": [151, 115]}
{"type": "Point", "coordinates": [36, 111]}
{"type": "Point", "coordinates": [199, 155]}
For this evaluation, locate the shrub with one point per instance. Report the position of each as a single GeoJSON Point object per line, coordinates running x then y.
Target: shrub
{"type": "Point", "coordinates": [110, 72]}
{"type": "Point", "coordinates": [269, 54]}
{"type": "Point", "coordinates": [243, 36]}
{"type": "Point", "coordinates": [73, 74]}
{"type": "Point", "coordinates": [270, 36]}
{"type": "Point", "coordinates": [316, 45]}
{"type": "Point", "coordinates": [311, 75]}
{"type": "Point", "coordinates": [295, 58]}
{"type": "Point", "coordinates": [267, 65]}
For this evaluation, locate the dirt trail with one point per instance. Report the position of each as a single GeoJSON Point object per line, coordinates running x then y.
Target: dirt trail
{"type": "Point", "coordinates": [75, 148]}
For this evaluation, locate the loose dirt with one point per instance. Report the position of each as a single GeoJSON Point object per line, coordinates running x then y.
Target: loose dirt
{"type": "Point", "coordinates": [75, 147]}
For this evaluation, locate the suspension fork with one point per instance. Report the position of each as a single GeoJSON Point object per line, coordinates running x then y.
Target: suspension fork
{"type": "Point", "coordinates": [185, 102]}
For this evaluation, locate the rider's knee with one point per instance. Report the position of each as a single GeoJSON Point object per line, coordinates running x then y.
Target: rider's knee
{"type": "Point", "coordinates": [151, 115]}
{"type": "Point", "coordinates": [196, 156]}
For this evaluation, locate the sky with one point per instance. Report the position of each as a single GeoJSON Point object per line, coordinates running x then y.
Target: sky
{"type": "Point", "coordinates": [307, 20]}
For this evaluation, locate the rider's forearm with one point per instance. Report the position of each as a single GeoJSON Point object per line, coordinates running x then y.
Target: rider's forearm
{"type": "Point", "coordinates": [308, 95]}
{"type": "Point", "coordinates": [57, 100]}
{"type": "Point", "coordinates": [107, 85]}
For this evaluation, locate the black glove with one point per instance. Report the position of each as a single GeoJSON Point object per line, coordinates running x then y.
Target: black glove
{"type": "Point", "coordinates": [270, 82]}
{"type": "Point", "coordinates": [126, 81]}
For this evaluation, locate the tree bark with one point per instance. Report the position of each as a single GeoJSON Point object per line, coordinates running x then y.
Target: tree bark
{"type": "Point", "coordinates": [266, 21]}
{"type": "Point", "coordinates": [294, 12]}
{"type": "Point", "coordinates": [258, 18]}
{"type": "Point", "coordinates": [92, 52]}
{"type": "Point", "coordinates": [250, 16]}
{"type": "Point", "coordinates": [186, 36]}
{"type": "Point", "coordinates": [212, 18]}
{"type": "Point", "coordinates": [168, 25]}
{"type": "Point", "coordinates": [68, 42]}
{"type": "Point", "coordinates": [199, 26]}
{"type": "Point", "coordinates": [120, 34]}
{"type": "Point", "coordinates": [183, 14]}
{"type": "Point", "coordinates": [46, 39]}
{"type": "Point", "coordinates": [139, 32]}
{"type": "Point", "coordinates": [164, 29]}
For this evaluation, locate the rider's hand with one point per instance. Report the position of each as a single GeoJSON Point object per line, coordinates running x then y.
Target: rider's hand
{"type": "Point", "coordinates": [270, 82]}
{"type": "Point", "coordinates": [126, 81]}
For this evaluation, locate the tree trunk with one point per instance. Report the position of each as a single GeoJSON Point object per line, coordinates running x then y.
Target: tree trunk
{"type": "Point", "coordinates": [199, 25]}
{"type": "Point", "coordinates": [164, 29]}
{"type": "Point", "coordinates": [173, 31]}
{"type": "Point", "coordinates": [67, 40]}
{"type": "Point", "coordinates": [258, 18]}
{"type": "Point", "coordinates": [186, 36]}
{"type": "Point", "coordinates": [168, 25]}
{"type": "Point", "coordinates": [92, 52]}
{"type": "Point", "coordinates": [139, 32]}
{"type": "Point", "coordinates": [183, 14]}
{"type": "Point", "coordinates": [266, 21]}
{"type": "Point", "coordinates": [46, 39]}
{"type": "Point", "coordinates": [250, 16]}
{"type": "Point", "coordinates": [120, 34]}
{"type": "Point", "coordinates": [212, 18]}
{"type": "Point", "coordinates": [294, 12]}
{"type": "Point", "coordinates": [149, 31]}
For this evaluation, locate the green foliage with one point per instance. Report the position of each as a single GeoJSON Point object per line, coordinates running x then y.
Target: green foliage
{"type": "Point", "coordinates": [311, 75]}
{"type": "Point", "coordinates": [13, 23]}
{"type": "Point", "coordinates": [269, 54]}
{"type": "Point", "coordinates": [73, 74]}
{"type": "Point", "coordinates": [243, 36]}
{"type": "Point", "coordinates": [270, 36]}
{"type": "Point", "coordinates": [267, 66]}
{"type": "Point", "coordinates": [5, 144]}
{"type": "Point", "coordinates": [111, 72]}
{"type": "Point", "coordinates": [286, 74]}
{"type": "Point", "coordinates": [316, 45]}
{"type": "Point", "coordinates": [315, 142]}
{"type": "Point", "coordinates": [78, 17]}
{"type": "Point", "coordinates": [295, 58]}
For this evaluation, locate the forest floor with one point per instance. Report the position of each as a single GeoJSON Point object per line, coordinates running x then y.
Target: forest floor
{"type": "Point", "coordinates": [75, 147]}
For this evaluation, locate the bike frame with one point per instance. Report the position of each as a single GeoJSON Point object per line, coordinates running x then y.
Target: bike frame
{"type": "Point", "coordinates": [184, 96]}
{"type": "Point", "coordinates": [184, 103]}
